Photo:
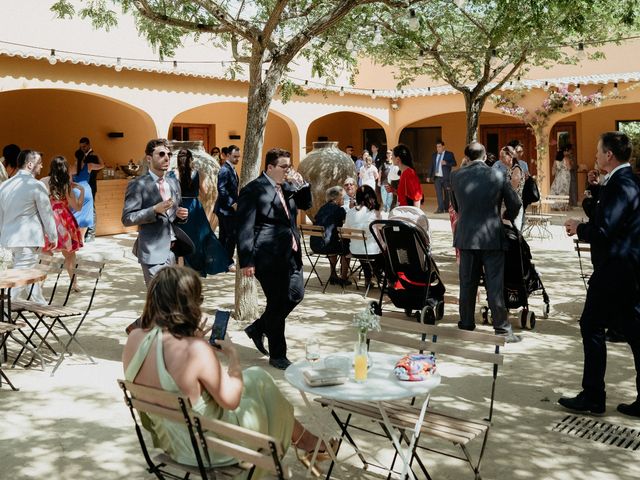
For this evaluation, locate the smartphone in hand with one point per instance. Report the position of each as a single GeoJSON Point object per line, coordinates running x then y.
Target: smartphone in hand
{"type": "Point", "coordinates": [219, 329]}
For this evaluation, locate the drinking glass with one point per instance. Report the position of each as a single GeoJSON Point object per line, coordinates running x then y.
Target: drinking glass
{"type": "Point", "coordinates": [312, 351]}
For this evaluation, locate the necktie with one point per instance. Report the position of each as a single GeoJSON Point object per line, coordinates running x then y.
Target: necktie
{"type": "Point", "coordinates": [294, 244]}
{"type": "Point", "coordinates": [438, 164]}
{"type": "Point", "coordinates": [162, 186]}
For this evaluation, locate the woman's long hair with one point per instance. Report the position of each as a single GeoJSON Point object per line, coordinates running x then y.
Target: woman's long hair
{"type": "Point", "coordinates": [185, 160]}
{"type": "Point", "coordinates": [173, 301]}
{"type": "Point", "coordinates": [402, 152]}
{"type": "Point", "coordinates": [59, 179]}
{"type": "Point", "coordinates": [366, 196]}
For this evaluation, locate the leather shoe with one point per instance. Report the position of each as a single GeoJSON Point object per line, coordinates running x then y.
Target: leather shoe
{"type": "Point", "coordinates": [580, 403]}
{"type": "Point", "coordinates": [631, 409]}
{"type": "Point", "coordinates": [280, 363]}
{"type": "Point", "coordinates": [614, 336]}
{"type": "Point", "coordinates": [257, 338]}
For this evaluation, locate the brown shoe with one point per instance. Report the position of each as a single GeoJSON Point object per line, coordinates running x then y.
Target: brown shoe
{"type": "Point", "coordinates": [232, 268]}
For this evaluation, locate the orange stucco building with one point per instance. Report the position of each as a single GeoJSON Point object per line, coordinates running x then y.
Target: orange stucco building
{"type": "Point", "coordinates": [89, 86]}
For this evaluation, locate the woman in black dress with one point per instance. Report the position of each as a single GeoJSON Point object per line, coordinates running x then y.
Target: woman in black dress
{"type": "Point", "coordinates": [209, 256]}
{"type": "Point", "coordinates": [331, 216]}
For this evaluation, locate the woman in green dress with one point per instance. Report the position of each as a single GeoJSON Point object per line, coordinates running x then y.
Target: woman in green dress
{"type": "Point", "coordinates": [169, 352]}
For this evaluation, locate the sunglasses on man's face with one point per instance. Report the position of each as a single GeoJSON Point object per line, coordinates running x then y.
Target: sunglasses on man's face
{"type": "Point", "coordinates": [162, 154]}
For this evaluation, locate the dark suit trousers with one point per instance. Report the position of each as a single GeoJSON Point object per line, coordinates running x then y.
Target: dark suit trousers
{"type": "Point", "coordinates": [471, 265]}
{"type": "Point", "coordinates": [601, 306]}
{"type": "Point", "coordinates": [283, 286]}
{"type": "Point", "coordinates": [442, 193]}
{"type": "Point", "coordinates": [227, 233]}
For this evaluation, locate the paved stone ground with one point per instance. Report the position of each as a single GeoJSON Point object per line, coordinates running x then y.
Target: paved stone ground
{"type": "Point", "coordinates": [75, 426]}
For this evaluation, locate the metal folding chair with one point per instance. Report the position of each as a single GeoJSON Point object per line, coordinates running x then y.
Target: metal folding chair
{"type": "Point", "coordinates": [306, 232]}
{"type": "Point", "coordinates": [583, 249]}
{"type": "Point", "coordinates": [357, 260]}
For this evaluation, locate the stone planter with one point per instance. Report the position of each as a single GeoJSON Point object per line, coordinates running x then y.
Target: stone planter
{"type": "Point", "coordinates": [324, 167]}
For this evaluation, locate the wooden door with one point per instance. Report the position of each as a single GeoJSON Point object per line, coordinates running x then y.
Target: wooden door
{"type": "Point", "coordinates": [562, 134]}
{"type": "Point", "coordinates": [191, 132]}
{"type": "Point", "coordinates": [494, 137]}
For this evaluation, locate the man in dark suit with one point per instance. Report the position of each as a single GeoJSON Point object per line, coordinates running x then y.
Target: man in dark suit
{"type": "Point", "coordinates": [442, 161]}
{"type": "Point", "coordinates": [613, 295]}
{"type": "Point", "coordinates": [227, 201]}
{"type": "Point", "coordinates": [269, 247]}
{"type": "Point", "coordinates": [479, 192]}
{"type": "Point", "coordinates": [152, 202]}
{"type": "Point", "coordinates": [85, 155]}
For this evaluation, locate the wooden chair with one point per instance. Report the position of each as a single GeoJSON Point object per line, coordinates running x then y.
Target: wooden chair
{"type": "Point", "coordinates": [251, 449]}
{"type": "Point", "coordinates": [54, 316]}
{"type": "Point", "coordinates": [583, 249]}
{"type": "Point", "coordinates": [169, 406]}
{"type": "Point", "coordinates": [355, 269]}
{"type": "Point", "coordinates": [306, 233]}
{"type": "Point", "coordinates": [458, 431]}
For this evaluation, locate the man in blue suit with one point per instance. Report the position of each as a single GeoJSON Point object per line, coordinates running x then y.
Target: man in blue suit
{"type": "Point", "coordinates": [227, 201]}
{"type": "Point", "coordinates": [613, 296]}
{"type": "Point", "coordinates": [442, 161]}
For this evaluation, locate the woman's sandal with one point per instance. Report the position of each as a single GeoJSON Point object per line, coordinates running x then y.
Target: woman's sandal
{"type": "Point", "coordinates": [323, 455]}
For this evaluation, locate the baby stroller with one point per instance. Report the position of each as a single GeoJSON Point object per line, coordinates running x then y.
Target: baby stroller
{"type": "Point", "coordinates": [520, 279]}
{"type": "Point", "coordinates": [411, 277]}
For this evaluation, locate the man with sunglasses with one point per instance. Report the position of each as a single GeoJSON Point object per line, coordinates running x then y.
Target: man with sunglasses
{"type": "Point", "coordinates": [152, 202]}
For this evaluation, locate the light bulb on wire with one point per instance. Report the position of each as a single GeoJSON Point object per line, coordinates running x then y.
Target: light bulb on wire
{"type": "Point", "coordinates": [349, 44]}
{"type": "Point", "coordinates": [494, 61]}
{"type": "Point", "coordinates": [52, 57]}
{"type": "Point", "coordinates": [341, 93]}
{"type": "Point", "coordinates": [421, 59]}
{"type": "Point", "coordinates": [581, 54]}
{"type": "Point", "coordinates": [413, 23]}
{"type": "Point", "coordinates": [377, 36]}
{"type": "Point", "coordinates": [615, 90]}
{"type": "Point", "coordinates": [459, 3]}
{"type": "Point", "coordinates": [373, 95]}
{"type": "Point", "coordinates": [118, 67]}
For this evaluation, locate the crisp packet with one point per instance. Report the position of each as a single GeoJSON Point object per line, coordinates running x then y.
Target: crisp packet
{"type": "Point", "coordinates": [415, 367]}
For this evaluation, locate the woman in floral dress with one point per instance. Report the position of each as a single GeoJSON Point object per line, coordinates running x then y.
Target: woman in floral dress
{"type": "Point", "coordinates": [562, 181]}
{"type": "Point", "coordinates": [62, 197]}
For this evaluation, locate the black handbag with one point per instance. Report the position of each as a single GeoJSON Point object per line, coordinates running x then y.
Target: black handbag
{"type": "Point", "coordinates": [530, 192]}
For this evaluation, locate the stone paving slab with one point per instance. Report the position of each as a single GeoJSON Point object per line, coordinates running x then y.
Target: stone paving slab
{"type": "Point", "coordinates": [75, 426]}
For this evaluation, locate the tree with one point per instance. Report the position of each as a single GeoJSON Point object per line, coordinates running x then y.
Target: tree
{"type": "Point", "coordinates": [265, 36]}
{"type": "Point", "coordinates": [477, 45]}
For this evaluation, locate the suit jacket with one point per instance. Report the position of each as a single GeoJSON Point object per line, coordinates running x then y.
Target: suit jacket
{"type": "Point", "coordinates": [227, 190]}
{"type": "Point", "coordinates": [613, 229]}
{"type": "Point", "coordinates": [264, 230]}
{"type": "Point", "coordinates": [25, 212]}
{"type": "Point", "coordinates": [154, 231]}
{"type": "Point", "coordinates": [479, 192]}
{"type": "Point", "coordinates": [448, 157]}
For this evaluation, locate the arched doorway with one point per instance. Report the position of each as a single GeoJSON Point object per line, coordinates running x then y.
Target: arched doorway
{"type": "Point", "coordinates": [52, 121]}
{"type": "Point", "coordinates": [347, 128]}
{"type": "Point", "coordinates": [223, 124]}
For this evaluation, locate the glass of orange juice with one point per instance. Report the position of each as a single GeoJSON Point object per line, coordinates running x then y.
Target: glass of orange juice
{"type": "Point", "coordinates": [360, 367]}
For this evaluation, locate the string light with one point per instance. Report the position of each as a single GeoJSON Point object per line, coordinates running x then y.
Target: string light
{"type": "Point", "coordinates": [341, 92]}
{"type": "Point", "coordinates": [373, 94]}
{"type": "Point", "coordinates": [118, 67]}
{"type": "Point", "coordinates": [494, 61]}
{"type": "Point", "coordinates": [377, 36]}
{"type": "Point", "coordinates": [581, 54]}
{"type": "Point", "coordinates": [52, 57]}
{"type": "Point", "coordinates": [413, 23]}
{"type": "Point", "coordinates": [421, 59]}
{"type": "Point", "coordinates": [577, 90]}
{"type": "Point", "coordinates": [175, 64]}
{"type": "Point", "coordinates": [349, 44]}
{"type": "Point", "coordinates": [615, 91]}
{"type": "Point", "coordinates": [459, 3]}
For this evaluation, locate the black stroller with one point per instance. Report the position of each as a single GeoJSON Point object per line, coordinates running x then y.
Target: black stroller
{"type": "Point", "coordinates": [520, 279]}
{"type": "Point", "coordinates": [411, 277]}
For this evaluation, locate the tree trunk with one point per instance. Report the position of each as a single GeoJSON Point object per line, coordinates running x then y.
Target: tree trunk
{"type": "Point", "coordinates": [261, 92]}
{"type": "Point", "coordinates": [473, 105]}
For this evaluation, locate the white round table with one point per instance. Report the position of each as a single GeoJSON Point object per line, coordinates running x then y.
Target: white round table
{"type": "Point", "coordinates": [381, 386]}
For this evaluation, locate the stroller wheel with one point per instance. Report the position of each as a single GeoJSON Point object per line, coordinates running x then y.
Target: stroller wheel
{"type": "Point", "coordinates": [484, 311]}
{"type": "Point", "coordinates": [375, 306]}
{"type": "Point", "coordinates": [408, 312]}
{"type": "Point", "coordinates": [527, 319]}
{"type": "Point", "coordinates": [428, 315]}
{"type": "Point", "coordinates": [532, 320]}
{"type": "Point", "coordinates": [545, 310]}
{"type": "Point", "coordinates": [440, 310]}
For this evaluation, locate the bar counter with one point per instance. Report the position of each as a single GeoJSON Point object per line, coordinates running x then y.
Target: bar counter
{"type": "Point", "coordinates": [109, 202]}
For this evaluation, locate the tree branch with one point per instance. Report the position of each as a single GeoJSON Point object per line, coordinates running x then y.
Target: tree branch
{"type": "Point", "coordinates": [514, 69]}
{"type": "Point", "coordinates": [144, 9]}
{"type": "Point", "coordinates": [234, 50]}
{"type": "Point", "coordinates": [274, 18]}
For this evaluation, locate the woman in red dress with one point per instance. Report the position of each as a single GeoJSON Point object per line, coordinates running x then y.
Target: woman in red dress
{"type": "Point", "coordinates": [409, 190]}
{"type": "Point", "coordinates": [61, 196]}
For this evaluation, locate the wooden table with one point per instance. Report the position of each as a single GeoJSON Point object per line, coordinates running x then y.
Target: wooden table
{"type": "Point", "coordinates": [11, 278]}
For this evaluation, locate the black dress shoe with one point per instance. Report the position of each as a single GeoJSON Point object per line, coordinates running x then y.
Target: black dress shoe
{"type": "Point", "coordinates": [580, 403]}
{"type": "Point", "coordinates": [631, 409]}
{"type": "Point", "coordinates": [280, 363]}
{"type": "Point", "coordinates": [258, 339]}
{"type": "Point", "coordinates": [615, 336]}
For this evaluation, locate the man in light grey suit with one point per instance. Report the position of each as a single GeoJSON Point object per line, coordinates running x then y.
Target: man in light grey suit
{"type": "Point", "coordinates": [152, 202]}
{"type": "Point", "coordinates": [479, 192]}
{"type": "Point", "coordinates": [26, 216]}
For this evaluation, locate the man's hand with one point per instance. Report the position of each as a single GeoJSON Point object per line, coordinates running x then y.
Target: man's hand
{"type": "Point", "coordinates": [593, 178]}
{"type": "Point", "coordinates": [571, 226]}
{"type": "Point", "coordinates": [234, 206]}
{"type": "Point", "coordinates": [182, 213]}
{"type": "Point", "coordinates": [163, 206]}
{"type": "Point", "coordinates": [248, 271]}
